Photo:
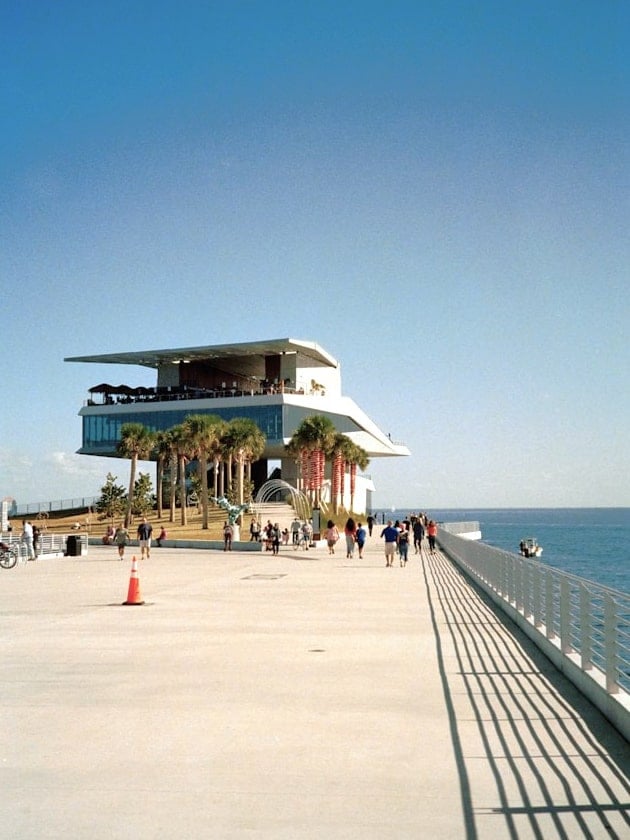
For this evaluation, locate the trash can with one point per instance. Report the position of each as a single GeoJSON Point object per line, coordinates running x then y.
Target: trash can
{"type": "Point", "coordinates": [73, 546]}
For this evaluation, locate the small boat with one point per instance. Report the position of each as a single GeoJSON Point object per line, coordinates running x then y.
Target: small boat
{"type": "Point", "coordinates": [529, 547]}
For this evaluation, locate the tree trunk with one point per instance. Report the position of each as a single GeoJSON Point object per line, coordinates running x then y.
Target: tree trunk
{"type": "Point", "coordinates": [182, 490]}
{"type": "Point", "coordinates": [215, 464]}
{"type": "Point", "coordinates": [240, 480]}
{"type": "Point", "coordinates": [335, 483]}
{"type": "Point", "coordinates": [173, 482]}
{"type": "Point", "coordinates": [203, 466]}
{"type": "Point", "coordinates": [159, 478]}
{"type": "Point", "coordinates": [353, 481]}
{"type": "Point", "coordinates": [132, 481]}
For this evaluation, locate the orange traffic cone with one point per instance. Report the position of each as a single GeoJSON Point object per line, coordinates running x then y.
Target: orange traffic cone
{"type": "Point", "coordinates": [133, 595]}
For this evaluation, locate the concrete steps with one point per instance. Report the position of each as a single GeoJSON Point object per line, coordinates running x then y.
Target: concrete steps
{"type": "Point", "coordinates": [279, 512]}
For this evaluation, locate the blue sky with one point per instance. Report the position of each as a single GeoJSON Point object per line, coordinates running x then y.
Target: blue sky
{"type": "Point", "coordinates": [435, 192]}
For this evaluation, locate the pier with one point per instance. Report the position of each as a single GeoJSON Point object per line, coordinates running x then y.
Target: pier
{"type": "Point", "coordinates": [298, 696]}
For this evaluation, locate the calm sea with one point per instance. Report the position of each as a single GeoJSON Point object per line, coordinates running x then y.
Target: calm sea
{"type": "Point", "coordinates": [593, 543]}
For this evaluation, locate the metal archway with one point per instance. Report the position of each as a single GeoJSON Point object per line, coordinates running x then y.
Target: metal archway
{"type": "Point", "coordinates": [277, 486]}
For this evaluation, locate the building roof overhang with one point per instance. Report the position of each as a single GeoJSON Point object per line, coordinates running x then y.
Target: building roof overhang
{"type": "Point", "coordinates": [213, 352]}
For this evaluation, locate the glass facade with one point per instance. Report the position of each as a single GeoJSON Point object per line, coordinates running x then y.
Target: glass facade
{"type": "Point", "coordinates": [101, 432]}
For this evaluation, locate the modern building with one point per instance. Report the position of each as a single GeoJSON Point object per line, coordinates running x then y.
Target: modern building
{"type": "Point", "coordinates": [276, 383]}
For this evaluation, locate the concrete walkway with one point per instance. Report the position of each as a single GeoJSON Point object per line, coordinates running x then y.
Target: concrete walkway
{"type": "Point", "coordinates": [298, 696]}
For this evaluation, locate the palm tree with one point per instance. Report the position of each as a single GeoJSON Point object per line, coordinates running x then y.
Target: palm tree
{"type": "Point", "coordinates": [217, 455]}
{"type": "Point", "coordinates": [202, 432]}
{"type": "Point", "coordinates": [312, 439]}
{"type": "Point", "coordinates": [136, 443]}
{"type": "Point", "coordinates": [245, 442]}
{"type": "Point", "coordinates": [339, 453]}
{"type": "Point", "coordinates": [181, 446]}
{"type": "Point", "coordinates": [172, 467]}
{"type": "Point", "coordinates": [162, 449]}
{"type": "Point", "coordinates": [297, 450]}
{"type": "Point", "coordinates": [225, 456]}
{"type": "Point", "coordinates": [357, 457]}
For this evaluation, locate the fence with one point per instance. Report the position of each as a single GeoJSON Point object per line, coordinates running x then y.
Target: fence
{"type": "Point", "coordinates": [469, 530]}
{"type": "Point", "coordinates": [33, 508]}
{"type": "Point", "coordinates": [582, 627]}
{"type": "Point", "coordinates": [51, 545]}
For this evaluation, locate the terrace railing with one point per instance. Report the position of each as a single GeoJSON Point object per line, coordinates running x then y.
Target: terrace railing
{"type": "Point", "coordinates": [584, 628]}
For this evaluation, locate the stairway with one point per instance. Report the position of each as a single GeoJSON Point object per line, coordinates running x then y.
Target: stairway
{"type": "Point", "coordinates": [279, 512]}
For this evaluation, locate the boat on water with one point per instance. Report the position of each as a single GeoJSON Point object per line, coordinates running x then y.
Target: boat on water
{"type": "Point", "coordinates": [529, 547]}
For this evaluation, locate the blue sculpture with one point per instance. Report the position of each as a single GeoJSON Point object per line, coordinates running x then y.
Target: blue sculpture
{"type": "Point", "coordinates": [233, 511]}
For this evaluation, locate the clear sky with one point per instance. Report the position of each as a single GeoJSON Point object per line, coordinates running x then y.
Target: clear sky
{"type": "Point", "coordinates": [437, 193]}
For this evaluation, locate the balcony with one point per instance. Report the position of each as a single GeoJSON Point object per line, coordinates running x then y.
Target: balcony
{"type": "Point", "coordinates": [126, 395]}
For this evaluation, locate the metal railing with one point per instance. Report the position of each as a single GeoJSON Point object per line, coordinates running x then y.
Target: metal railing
{"type": "Point", "coordinates": [50, 545]}
{"type": "Point", "coordinates": [33, 508]}
{"type": "Point", "coordinates": [579, 624]}
{"type": "Point", "coordinates": [461, 527]}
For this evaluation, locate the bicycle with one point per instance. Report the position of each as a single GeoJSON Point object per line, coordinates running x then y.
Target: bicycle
{"type": "Point", "coordinates": [8, 555]}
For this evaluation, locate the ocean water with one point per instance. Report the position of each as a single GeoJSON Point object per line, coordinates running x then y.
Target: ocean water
{"type": "Point", "coordinates": [593, 543]}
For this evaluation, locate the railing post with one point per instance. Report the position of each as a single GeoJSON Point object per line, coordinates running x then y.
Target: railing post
{"type": "Point", "coordinates": [549, 605]}
{"type": "Point", "coordinates": [527, 610]}
{"type": "Point", "coordinates": [610, 644]}
{"type": "Point", "coordinates": [537, 597]}
{"type": "Point", "coordinates": [518, 585]}
{"type": "Point", "coordinates": [500, 576]}
{"type": "Point", "coordinates": [511, 584]}
{"type": "Point", "coordinates": [586, 628]}
{"type": "Point", "coordinates": [565, 616]}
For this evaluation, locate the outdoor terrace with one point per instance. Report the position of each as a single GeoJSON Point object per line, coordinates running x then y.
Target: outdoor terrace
{"type": "Point", "coordinates": [125, 394]}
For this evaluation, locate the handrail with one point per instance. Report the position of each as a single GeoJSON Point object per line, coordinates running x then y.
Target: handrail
{"type": "Point", "coordinates": [582, 626]}
{"type": "Point", "coordinates": [50, 545]}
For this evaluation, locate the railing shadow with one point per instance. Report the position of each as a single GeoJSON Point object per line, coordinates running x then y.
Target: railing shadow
{"type": "Point", "coordinates": [530, 749]}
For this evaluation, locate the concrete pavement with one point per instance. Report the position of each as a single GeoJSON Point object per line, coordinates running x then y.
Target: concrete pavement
{"type": "Point", "coordinates": [298, 696]}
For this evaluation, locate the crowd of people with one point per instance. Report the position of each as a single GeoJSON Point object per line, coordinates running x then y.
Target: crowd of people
{"type": "Point", "coordinates": [355, 535]}
{"type": "Point", "coordinates": [398, 535]}
{"type": "Point", "coordinates": [299, 534]}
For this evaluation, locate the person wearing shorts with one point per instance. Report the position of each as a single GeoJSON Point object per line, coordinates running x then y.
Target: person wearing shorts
{"type": "Point", "coordinates": [145, 529]}
{"type": "Point", "coordinates": [391, 541]}
{"type": "Point", "coordinates": [121, 538]}
{"type": "Point", "coordinates": [361, 536]}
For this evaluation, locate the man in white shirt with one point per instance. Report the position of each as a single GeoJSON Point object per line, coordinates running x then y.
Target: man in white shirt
{"type": "Point", "coordinates": [27, 539]}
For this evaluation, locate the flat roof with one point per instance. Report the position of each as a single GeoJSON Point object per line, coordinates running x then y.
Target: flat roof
{"type": "Point", "coordinates": [155, 358]}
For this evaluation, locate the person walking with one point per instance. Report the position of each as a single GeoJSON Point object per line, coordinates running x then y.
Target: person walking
{"type": "Point", "coordinates": [145, 529]}
{"type": "Point", "coordinates": [121, 538]}
{"type": "Point", "coordinates": [403, 545]}
{"type": "Point", "coordinates": [331, 536]}
{"type": "Point", "coordinates": [254, 530]}
{"type": "Point", "coordinates": [295, 530]}
{"type": "Point", "coordinates": [276, 534]}
{"type": "Point", "coordinates": [361, 537]}
{"type": "Point", "coordinates": [37, 535]}
{"type": "Point", "coordinates": [418, 534]}
{"type": "Point", "coordinates": [27, 539]}
{"type": "Point", "coordinates": [370, 523]}
{"type": "Point", "coordinates": [350, 531]}
{"type": "Point", "coordinates": [390, 534]}
{"type": "Point", "coordinates": [431, 534]}
{"type": "Point", "coordinates": [268, 535]}
{"type": "Point", "coordinates": [228, 533]}
{"type": "Point", "coordinates": [307, 535]}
